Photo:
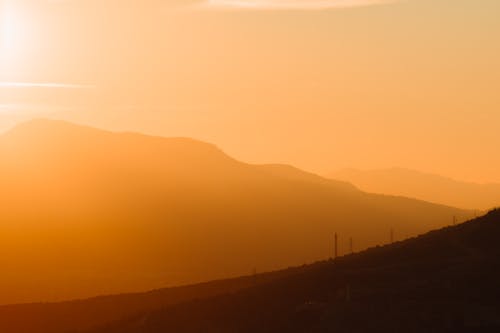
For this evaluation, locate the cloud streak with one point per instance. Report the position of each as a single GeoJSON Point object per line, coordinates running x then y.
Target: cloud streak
{"type": "Point", "coordinates": [289, 4]}
{"type": "Point", "coordinates": [44, 85]}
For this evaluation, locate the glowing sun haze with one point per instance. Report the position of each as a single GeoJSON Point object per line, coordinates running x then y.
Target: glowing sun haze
{"type": "Point", "coordinates": [379, 84]}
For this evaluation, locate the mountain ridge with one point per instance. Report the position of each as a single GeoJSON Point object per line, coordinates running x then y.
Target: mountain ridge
{"type": "Point", "coordinates": [423, 186]}
{"type": "Point", "coordinates": [89, 212]}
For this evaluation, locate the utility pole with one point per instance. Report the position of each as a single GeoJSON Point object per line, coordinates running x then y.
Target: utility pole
{"type": "Point", "coordinates": [350, 246]}
{"type": "Point", "coordinates": [336, 246]}
{"type": "Point", "coordinates": [392, 236]}
{"type": "Point", "coordinates": [454, 220]}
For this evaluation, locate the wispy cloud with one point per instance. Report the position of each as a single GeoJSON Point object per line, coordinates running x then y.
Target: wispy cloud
{"type": "Point", "coordinates": [44, 85]}
{"type": "Point", "coordinates": [288, 4]}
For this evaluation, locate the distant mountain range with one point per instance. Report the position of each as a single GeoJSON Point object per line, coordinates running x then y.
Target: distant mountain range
{"type": "Point", "coordinates": [423, 186]}
{"type": "Point", "coordinates": [87, 212]}
{"type": "Point", "coordinates": [442, 281]}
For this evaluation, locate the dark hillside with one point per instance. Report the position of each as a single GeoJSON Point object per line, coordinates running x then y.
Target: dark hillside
{"type": "Point", "coordinates": [87, 313]}
{"type": "Point", "coordinates": [443, 281]}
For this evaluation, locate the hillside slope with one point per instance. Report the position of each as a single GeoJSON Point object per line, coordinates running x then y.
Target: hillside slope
{"type": "Point", "coordinates": [423, 186]}
{"type": "Point", "coordinates": [87, 212]}
{"type": "Point", "coordinates": [63, 317]}
{"type": "Point", "coordinates": [443, 281]}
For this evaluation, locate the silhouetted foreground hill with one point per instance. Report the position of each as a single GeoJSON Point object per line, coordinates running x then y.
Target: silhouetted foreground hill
{"type": "Point", "coordinates": [86, 212]}
{"type": "Point", "coordinates": [444, 281]}
{"type": "Point", "coordinates": [423, 186]}
{"type": "Point", "coordinates": [89, 313]}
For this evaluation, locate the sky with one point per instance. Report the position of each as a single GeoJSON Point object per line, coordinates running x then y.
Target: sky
{"type": "Point", "coordinates": [320, 84]}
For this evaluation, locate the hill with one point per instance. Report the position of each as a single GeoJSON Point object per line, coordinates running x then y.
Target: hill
{"type": "Point", "coordinates": [63, 317]}
{"type": "Point", "coordinates": [423, 186]}
{"type": "Point", "coordinates": [443, 281]}
{"type": "Point", "coordinates": [88, 212]}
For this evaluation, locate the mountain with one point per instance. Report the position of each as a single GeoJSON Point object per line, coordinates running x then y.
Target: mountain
{"type": "Point", "coordinates": [443, 281]}
{"type": "Point", "coordinates": [88, 212]}
{"type": "Point", "coordinates": [423, 186]}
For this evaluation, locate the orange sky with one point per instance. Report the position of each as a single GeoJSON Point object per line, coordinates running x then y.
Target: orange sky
{"type": "Point", "coordinates": [409, 83]}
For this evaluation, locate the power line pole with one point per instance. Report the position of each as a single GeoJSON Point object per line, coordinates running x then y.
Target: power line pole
{"type": "Point", "coordinates": [350, 246]}
{"type": "Point", "coordinates": [336, 246]}
{"type": "Point", "coordinates": [392, 236]}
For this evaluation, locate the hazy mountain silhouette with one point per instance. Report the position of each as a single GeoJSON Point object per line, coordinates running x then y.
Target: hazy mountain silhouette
{"type": "Point", "coordinates": [443, 281]}
{"type": "Point", "coordinates": [87, 212]}
{"type": "Point", "coordinates": [423, 186]}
